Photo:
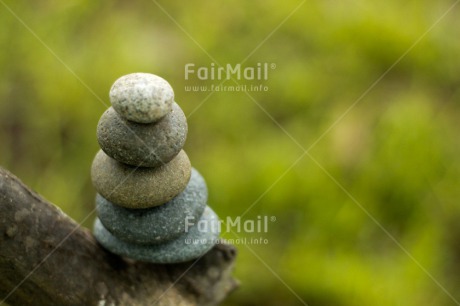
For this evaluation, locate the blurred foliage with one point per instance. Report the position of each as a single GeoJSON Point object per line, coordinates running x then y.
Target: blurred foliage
{"type": "Point", "coordinates": [387, 166]}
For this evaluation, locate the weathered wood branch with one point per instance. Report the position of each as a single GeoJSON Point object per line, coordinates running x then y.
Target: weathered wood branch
{"type": "Point", "coordinates": [47, 259]}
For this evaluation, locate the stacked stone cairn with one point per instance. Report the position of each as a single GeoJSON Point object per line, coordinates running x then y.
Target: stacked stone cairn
{"type": "Point", "coordinates": [151, 204]}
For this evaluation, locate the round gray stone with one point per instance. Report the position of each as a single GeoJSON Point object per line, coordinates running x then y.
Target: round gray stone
{"type": "Point", "coordinates": [196, 242]}
{"type": "Point", "coordinates": [137, 187]}
{"type": "Point", "coordinates": [157, 224]}
{"type": "Point", "coordinates": [142, 97]}
{"type": "Point", "coordinates": [147, 145]}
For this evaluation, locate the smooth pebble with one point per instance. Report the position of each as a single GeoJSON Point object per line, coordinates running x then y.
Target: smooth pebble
{"type": "Point", "coordinates": [147, 145]}
{"type": "Point", "coordinates": [139, 187]}
{"type": "Point", "coordinates": [193, 244]}
{"type": "Point", "coordinates": [142, 97]}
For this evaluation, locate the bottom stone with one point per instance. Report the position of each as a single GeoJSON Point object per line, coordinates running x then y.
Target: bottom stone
{"type": "Point", "coordinates": [199, 239]}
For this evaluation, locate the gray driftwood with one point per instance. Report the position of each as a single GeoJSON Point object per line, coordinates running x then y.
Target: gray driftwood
{"type": "Point", "coordinates": [47, 259]}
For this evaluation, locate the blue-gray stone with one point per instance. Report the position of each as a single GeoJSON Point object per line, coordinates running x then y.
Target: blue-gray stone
{"type": "Point", "coordinates": [146, 145]}
{"type": "Point", "coordinates": [157, 224]}
{"type": "Point", "coordinates": [197, 241]}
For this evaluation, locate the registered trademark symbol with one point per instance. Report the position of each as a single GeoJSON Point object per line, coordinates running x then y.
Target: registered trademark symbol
{"type": "Point", "coordinates": [273, 66]}
{"type": "Point", "coordinates": [272, 218]}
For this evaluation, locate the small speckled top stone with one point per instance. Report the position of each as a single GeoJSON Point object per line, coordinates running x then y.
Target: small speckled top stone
{"type": "Point", "coordinates": [157, 224]}
{"type": "Point", "coordinates": [142, 97]}
{"type": "Point", "coordinates": [198, 240]}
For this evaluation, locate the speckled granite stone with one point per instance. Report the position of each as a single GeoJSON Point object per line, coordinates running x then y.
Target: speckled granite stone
{"type": "Point", "coordinates": [142, 97]}
{"type": "Point", "coordinates": [157, 224]}
{"type": "Point", "coordinates": [193, 244]}
{"type": "Point", "coordinates": [137, 187]}
{"type": "Point", "coordinates": [147, 145]}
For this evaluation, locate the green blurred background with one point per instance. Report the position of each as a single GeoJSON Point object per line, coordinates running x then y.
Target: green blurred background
{"type": "Point", "coordinates": [368, 216]}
